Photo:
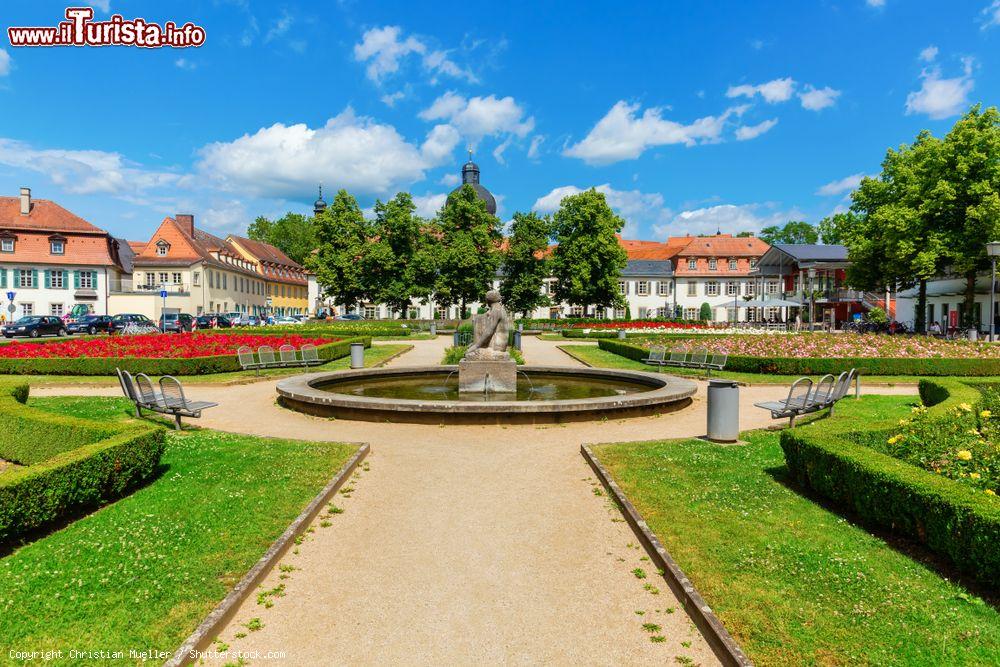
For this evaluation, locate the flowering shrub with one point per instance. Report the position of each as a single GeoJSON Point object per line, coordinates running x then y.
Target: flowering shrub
{"type": "Point", "coordinates": [154, 346]}
{"type": "Point", "coordinates": [636, 325]}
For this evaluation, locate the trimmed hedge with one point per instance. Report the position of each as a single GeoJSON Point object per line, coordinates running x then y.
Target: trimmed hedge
{"type": "Point", "coordinates": [865, 366]}
{"type": "Point", "coordinates": [950, 518]}
{"type": "Point", "coordinates": [190, 366]}
{"type": "Point", "coordinates": [71, 464]}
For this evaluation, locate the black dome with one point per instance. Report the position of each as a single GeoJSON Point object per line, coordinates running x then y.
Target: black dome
{"type": "Point", "coordinates": [470, 176]}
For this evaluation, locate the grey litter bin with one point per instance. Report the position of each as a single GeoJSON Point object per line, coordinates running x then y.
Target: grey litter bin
{"type": "Point", "coordinates": [456, 339]}
{"type": "Point", "coordinates": [357, 355]}
{"type": "Point", "coordinates": [621, 334]}
{"type": "Point", "coordinates": [723, 411]}
{"type": "Point", "coordinates": [434, 329]}
{"type": "Point", "coordinates": [517, 340]}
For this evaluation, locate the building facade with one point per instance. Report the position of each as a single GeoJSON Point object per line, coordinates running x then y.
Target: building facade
{"type": "Point", "coordinates": [286, 281]}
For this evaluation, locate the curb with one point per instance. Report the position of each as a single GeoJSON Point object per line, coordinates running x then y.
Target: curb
{"type": "Point", "coordinates": [719, 640]}
{"type": "Point", "coordinates": [225, 610]}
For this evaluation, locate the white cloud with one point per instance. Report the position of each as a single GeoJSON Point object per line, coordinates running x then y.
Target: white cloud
{"type": "Point", "coordinates": [991, 15]}
{"type": "Point", "coordinates": [941, 98]}
{"type": "Point", "coordinates": [439, 144]}
{"type": "Point", "coordinates": [500, 148]}
{"type": "Point", "coordinates": [633, 205]}
{"type": "Point", "coordinates": [450, 180]}
{"type": "Point", "coordinates": [815, 99]}
{"type": "Point", "coordinates": [745, 132]}
{"type": "Point", "coordinates": [86, 171]}
{"type": "Point", "coordinates": [535, 147]}
{"type": "Point", "coordinates": [478, 117]}
{"type": "Point", "coordinates": [349, 151]}
{"type": "Point", "coordinates": [184, 63]}
{"type": "Point", "coordinates": [280, 27]}
{"type": "Point", "coordinates": [390, 99]}
{"type": "Point", "coordinates": [428, 205]}
{"type": "Point", "coordinates": [778, 90]}
{"type": "Point", "coordinates": [727, 218]}
{"type": "Point", "coordinates": [877, 4]}
{"type": "Point", "coordinates": [103, 5]}
{"type": "Point", "coordinates": [930, 53]}
{"type": "Point", "coordinates": [841, 186]}
{"type": "Point", "coordinates": [622, 135]}
{"type": "Point", "coordinates": [221, 217]}
{"type": "Point", "coordinates": [4, 63]}
{"type": "Point", "coordinates": [383, 49]}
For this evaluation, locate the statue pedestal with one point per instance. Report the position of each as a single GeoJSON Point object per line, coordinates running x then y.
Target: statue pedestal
{"type": "Point", "coordinates": [479, 376]}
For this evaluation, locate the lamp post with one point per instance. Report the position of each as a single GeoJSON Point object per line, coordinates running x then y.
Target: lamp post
{"type": "Point", "coordinates": [812, 300]}
{"type": "Point", "coordinates": [993, 250]}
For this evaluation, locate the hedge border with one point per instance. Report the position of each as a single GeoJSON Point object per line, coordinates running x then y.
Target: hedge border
{"type": "Point", "coordinates": [833, 365]}
{"type": "Point", "coordinates": [151, 366]}
{"type": "Point", "coordinates": [77, 479]}
{"type": "Point", "coordinates": [948, 517]}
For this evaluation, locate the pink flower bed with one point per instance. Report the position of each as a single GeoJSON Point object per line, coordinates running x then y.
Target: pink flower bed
{"type": "Point", "coordinates": [154, 346]}
{"type": "Point", "coordinates": [840, 346]}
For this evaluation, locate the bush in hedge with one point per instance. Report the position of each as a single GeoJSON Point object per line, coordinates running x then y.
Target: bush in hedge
{"type": "Point", "coordinates": [71, 464]}
{"type": "Point", "coordinates": [949, 517]}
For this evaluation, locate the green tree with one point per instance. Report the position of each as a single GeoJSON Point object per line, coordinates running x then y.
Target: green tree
{"type": "Point", "coordinates": [835, 228]}
{"type": "Point", "coordinates": [705, 313]}
{"type": "Point", "coordinates": [293, 234]}
{"type": "Point", "coordinates": [525, 266]}
{"type": "Point", "coordinates": [793, 231]}
{"type": "Point", "coordinates": [469, 250]}
{"type": "Point", "coordinates": [342, 238]}
{"type": "Point", "coordinates": [398, 262]}
{"type": "Point", "coordinates": [588, 259]}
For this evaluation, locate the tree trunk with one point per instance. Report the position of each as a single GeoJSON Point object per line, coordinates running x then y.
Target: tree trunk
{"type": "Point", "coordinates": [920, 321]}
{"type": "Point", "coordinates": [461, 314]}
{"type": "Point", "coordinates": [969, 304]}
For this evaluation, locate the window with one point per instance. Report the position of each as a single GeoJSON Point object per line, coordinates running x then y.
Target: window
{"type": "Point", "coordinates": [642, 287]}
{"type": "Point", "coordinates": [56, 309]}
{"type": "Point", "coordinates": [772, 286]}
{"type": "Point", "coordinates": [57, 280]}
{"type": "Point", "coordinates": [576, 311]}
{"type": "Point", "coordinates": [7, 245]}
{"type": "Point", "coordinates": [690, 313]}
{"type": "Point", "coordinates": [196, 278]}
{"type": "Point", "coordinates": [713, 264]}
{"type": "Point", "coordinates": [733, 265]}
{"type": "Point", "coordinates": [28, 308]}
{"type": "Point", "coordinates": [663, 288]}
{"type": "Point", "coordinates": [661, 312]}
{"type": "Point", "coordinates": [692, 288]}
{"type": "Point", "coordinates": [751, 288]}
{"type": "Point", "coordinates": [176, 278]}
{"type": "Point", "coordinates": [712, 288]}
{"type": "Point", "coordinates": [371, 312]}
{"type": "Point", "coordinates": [86, 279]}
{"type": "Point", "coordinates": [732, 288]}
{"type": "Point", "coordinates": [225, 281]}
{"type": "Point", "coordinates": [57, 246]}
{"type": "Point", "coordinates": [692, 264]}
{"type": "Point", "coordinates": [150, 279]}
{"type": "Point", "coordinates": [24, 278]}
{"type": "Point", "coordinates": [619, 313]}
{"type": "Point", "coordinates": [161, 248]}
{"type": "Point", "coordinates": [163, 277]}
{"type": "Point", "coordinates": [440, 313]}
{"type": "Point", "coordinates": [643, 312]}
{"type": "Point", "coordinates": [622, 288]}
{"type": "Point", "coordinates": [753, 263]}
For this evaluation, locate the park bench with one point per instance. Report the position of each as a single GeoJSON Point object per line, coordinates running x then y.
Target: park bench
{"type": "Point", "coordinates": [655, 357]}
{"type": "Point", "coordinates": [699, 358]}
{"type": "Point", "coordinates": [287, 357]}
{"type": "Point", "coordinates": [169, 400]}
{"type": "Point", "coordinates": [804, 397]}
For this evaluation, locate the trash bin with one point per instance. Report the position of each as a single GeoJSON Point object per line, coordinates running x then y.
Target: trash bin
{"type": "Point", "coordinates": [723, 411]}
{"type": "Point", "coordinates": [621, 334]}
{"type": "Point", "coordinates": [357, 355]}
{"type": "Point", "coordinates": [517, 341]}
{"type": "Point", "coordinates": [973, 334]}
{"type": "Point", "coordinates": [434, 329]}
{"type": "Point", "coordinates": [456, 339]}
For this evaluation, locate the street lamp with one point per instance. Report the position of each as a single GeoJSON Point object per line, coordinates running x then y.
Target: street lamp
{"type": "Point", "coordinates": [812, 300]}
{"type": "Point", "coordinates": [993, 250]}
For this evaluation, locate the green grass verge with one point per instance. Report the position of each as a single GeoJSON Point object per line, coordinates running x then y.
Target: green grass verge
{"type": "Point", "coordinates": [144, 571]}
{"type": "Point", "coordinates": [793, 582]}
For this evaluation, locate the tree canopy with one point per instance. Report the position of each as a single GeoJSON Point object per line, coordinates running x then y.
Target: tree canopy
{"type": "Point", "coordinates": [341, 239]}
{"type": "Point", "coordinates": [293, 234]}
{"type": "Point", "coordinates": [525, 266]}
{"type": "Point", "coordinates": [793, 231]}
{"type": "Point", "coordinates": [468, 252]}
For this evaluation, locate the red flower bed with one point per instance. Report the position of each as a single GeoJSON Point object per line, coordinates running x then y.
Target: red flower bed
{"type": "Point", "coordinates": [155, 346]}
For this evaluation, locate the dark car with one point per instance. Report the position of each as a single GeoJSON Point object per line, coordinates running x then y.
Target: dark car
{"type": "Point", "coordinates": [34, 326]}
{"type": "Point", "coordinates": [350, 316]}
{"type": "Point", "coordinates": [119, 322]}
{"type": "Point", "coordinates": [213, 321]}
{"type": "Point", "coordinates": [90, 324]}
{"type": "Point", "coordinates": [176, 322]}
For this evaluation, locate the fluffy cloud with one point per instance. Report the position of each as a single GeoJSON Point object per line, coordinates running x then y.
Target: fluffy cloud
{"type": "Point", "coordinates": [450, 180]}
{"type": "Point", "coordinates": [623, 135]}
{"type": "Point", "coordinates": [930, 53]}
{"type": "Point", "coordinates": [4, 63]}
{"type": "Point", "coordinates": [86, 171]}
{"type": "Point", "coordinates": [728, 218]}
{"type": "Point", "coordinates": [428, 205]}
{"type": "Point", "coordinates": [349, 151]}
{"type": "Point", "coordinates": [184, 63]}
{"type": "Point", "coordinates": [536, 144]}
{"type": "Point", "coordinates": [939, 97]}
{"type": "Point", "coordinates": [815, 99]}
{"type": "Point", "coordinates": [841, 186]}
{"type": "Point", "coordinates": [778, 90]}
{"type": "Point", "coordinates": [633, 205]}
{"type": "Point", "coordinates": [383, 49]}
{"type": "Point", "coordinates": [478, 117]}
{"type": "Point", "coordinates": [878, 4]}
{"type": "Point", "coordinates": [746, 132]}
{"type": "Point", "coordinates": [991, 15]}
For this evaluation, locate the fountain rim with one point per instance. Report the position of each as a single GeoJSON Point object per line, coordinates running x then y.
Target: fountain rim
{"type": "Point", "coordinates": [663, 390]}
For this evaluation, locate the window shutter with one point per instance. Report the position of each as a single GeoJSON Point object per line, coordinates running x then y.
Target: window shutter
{"type": "Point", "coordinates": [48, 279]}
{"type": "Point", "coordinates": [3, 277]}
{"type": "Point", "coordinates": [76, 280]}
{"type": "Point", "coordinates": [34, 277]}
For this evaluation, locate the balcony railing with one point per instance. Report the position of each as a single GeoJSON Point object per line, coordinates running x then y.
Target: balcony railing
{"type": "Point", "coordinates": [126, 286]}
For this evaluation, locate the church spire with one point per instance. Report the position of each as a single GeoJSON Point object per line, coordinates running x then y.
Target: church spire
{"type": "Point", "coordinates": [319, 205]}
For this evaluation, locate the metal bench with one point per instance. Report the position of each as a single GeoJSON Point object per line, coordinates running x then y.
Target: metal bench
{"type": "Point", "coordinates": [287, 356]}
{"type": "Point", "coordinates": [717, 362]}
{"type": "Point", "coordinates": [698, 358]}
{"type": "Point", "coordinates": [310, 355]}
{"type": "Point", "coordinates": [177, 404]}
{"type": "Point", "coordinates": [678, 357]}
{"type": "Point", "coordinates": [792, 406]}
{"type": "Point", "coordinates": [265, 353]}
{"type": "Point", "coordinates": [804, 398]}
{"type": "Point", "coordinates": [247, 360]}
{"type": "Point", "coordinates": [169, 400]}
{"type": "Point", "coordinates": [656, 356]}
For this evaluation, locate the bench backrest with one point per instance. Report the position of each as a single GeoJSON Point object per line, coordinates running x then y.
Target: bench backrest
{"type": "Point", "coordinates": [173, 392]}
{"type": "Point", "coordinates": [146, 391]}
{"type": "Point", "coordinates": [678, 354]}
{"type": "Point", "coordinates": [719, 360]}
{"type": "Point", "coordinates": [129, 383]}
{"type": "Point", "coordinates": [656, 353]}
{"type": "Point", "coordinates": [310, 352]}
{"type": "Point", "coordinates": [824, 390]}
{"type": "Point", "coordinates": [699, 356]}
{"type": "Point", "coordinates": [266, 354]}
{"type": "Point", "coordinates": [798, 393]}
{"type": "Point", "coordinates": [287, 354]}
{"type": "Point", "coordinates": [840, 388]}
{"type": "Point", "coordinates": [245, 355]}
{"type": "Point", "coordinates": [121, 383]}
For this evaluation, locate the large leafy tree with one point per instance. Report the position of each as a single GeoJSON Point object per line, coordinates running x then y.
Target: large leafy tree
{"type": "Point", "coordinates": [833, 229]}
{"type": "Point", "coordinates": [398, 263]}
{"type": "Point", "coordinates": [588, 259]}
{"type": "Point", "coordinates": [468, 253]}
{"type": "Point", "coordinates": [342, 237]}
{"type": "Point", "coordinates": [793, 231]}
{"type": "Point", "coordinates": [293, 234]}
{"type": "Point", "coordinates": [525, 266]}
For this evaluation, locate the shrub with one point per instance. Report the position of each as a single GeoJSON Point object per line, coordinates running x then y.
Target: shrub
{"type": "Point", "coordinates": [454, 354]}
{"type": "Point", "coordinates": [71, 464]}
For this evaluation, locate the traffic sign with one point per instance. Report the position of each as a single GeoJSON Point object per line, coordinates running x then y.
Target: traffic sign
{"type": "Point", "coordinates": [163, 294]}
{"type": "Point", "coordinates": [11, 308]}
{"type": "Point", "coordinates": [11, 295]}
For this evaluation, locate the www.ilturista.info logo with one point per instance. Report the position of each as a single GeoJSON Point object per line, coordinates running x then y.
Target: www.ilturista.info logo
{"type": "Point", "coordinates": [79, 29]}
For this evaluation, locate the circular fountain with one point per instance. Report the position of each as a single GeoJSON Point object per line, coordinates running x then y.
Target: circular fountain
{"type": "Point", "coordinates": [486, 387]}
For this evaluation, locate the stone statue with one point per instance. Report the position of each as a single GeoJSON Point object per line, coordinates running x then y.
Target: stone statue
{"type": "Point", "coordinates": [491, 332]}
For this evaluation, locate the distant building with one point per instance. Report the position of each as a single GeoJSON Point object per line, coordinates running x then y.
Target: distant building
{"type": "Point", "coordinates": [470, 176]}
{"type": "Point", "coordinates": [286, 280]}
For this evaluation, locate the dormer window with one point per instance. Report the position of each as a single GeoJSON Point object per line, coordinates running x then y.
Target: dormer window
{"type": "Point", "coordinates": [7, 244]}
{"type": "Point", "coordinates": [733, 264]}
{"type": "Point", "coordinates": [692, 264]}
{"type": "Point", "coordinates": [713, 264]}
{"type": "Point", "coordinates": [162, 247]}
{"type": "Point", "coordinates": [57, 245]}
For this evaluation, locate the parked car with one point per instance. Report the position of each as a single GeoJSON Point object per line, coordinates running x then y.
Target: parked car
{"type": "Point", "coordinates": [34, 326]}
{"type": "Point", "coordinates": [236, 319]}
{"type": "Point", "coordinates": [254, 321]}
{"type": "Point", "coordinates": [119, 322]}
{"type": "Point", "coordinates": [176, 322]}
{"type": "Point", "coordinates": [90, 324]}
{"type": "Point", "coordinates": [212, 321]}
{"type": "Point", "coordinates": [286, 319]}
{"type": "Point", "coordinates": [350, 316]}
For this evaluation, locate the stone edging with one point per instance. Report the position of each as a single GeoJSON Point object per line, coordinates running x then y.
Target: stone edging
{"type": "Point", "coordinates": [719, 639]}
{"type": "Point", "coordinates": [209, 628]}
{"type": "Point", "coordinates": [392, 356]}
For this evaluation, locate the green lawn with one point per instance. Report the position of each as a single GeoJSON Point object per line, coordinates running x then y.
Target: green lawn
{"type": "Point", "coordinates": [375, 355]}
{"type": "Point", "coordinates": [144, 571]}
{"type": "Point", "coordinates": [792, 581]}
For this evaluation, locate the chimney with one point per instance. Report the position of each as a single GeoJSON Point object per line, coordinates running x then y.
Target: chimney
{"type": "Point", "coordinates": [186, 222]}
{"type": "Point", "coordinates": [25, 201]}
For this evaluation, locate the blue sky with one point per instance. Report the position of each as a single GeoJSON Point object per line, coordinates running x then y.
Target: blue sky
{"type": "Point", "coordinates": [691, 116]}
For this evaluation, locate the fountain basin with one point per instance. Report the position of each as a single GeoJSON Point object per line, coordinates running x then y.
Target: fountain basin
{"type": "Point", "coordinates": [429, 395]}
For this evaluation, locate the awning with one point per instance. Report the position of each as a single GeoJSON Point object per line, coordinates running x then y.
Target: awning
{"type": "Point", "coordinates": [948, 287]}
{"type": "Point", "coordinates": [85, 295]}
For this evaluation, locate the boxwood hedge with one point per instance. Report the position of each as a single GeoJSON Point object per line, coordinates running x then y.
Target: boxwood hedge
{"type": "Point", "coordinates": [70, 464]}
{"type": "Point", "coordinates": [950, 518]}
{"type": "Point", "coordinates": [189, 366]}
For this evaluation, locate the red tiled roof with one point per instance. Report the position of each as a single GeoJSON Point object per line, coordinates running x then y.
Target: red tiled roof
{"type": "Point", "coordinates": [84, 243]}
{"type": "Point", "coordinates": [186, 250]}
{"type": "Point", "coordinates": [44, 215]}
{"type": "Point", "coordinates": [724, 245]}
{"type": "Point", "coordinates": [265, 252]}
